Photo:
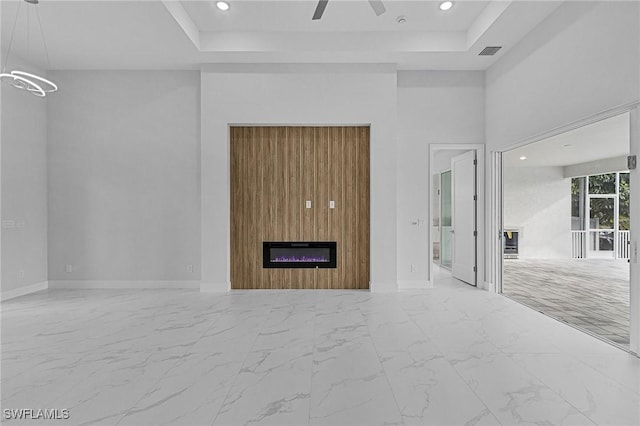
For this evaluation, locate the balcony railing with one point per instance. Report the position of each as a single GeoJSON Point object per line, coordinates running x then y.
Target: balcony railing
{"type": "Point", "coordinates": [579, 248]}
{"type": "Point", "coordinates": [578, 244]}
{"type": "Point", "coordinates": [623, 244]}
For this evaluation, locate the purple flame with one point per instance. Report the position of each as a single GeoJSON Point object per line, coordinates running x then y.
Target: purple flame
{"type": "Point", "coordinates": [300, 259]}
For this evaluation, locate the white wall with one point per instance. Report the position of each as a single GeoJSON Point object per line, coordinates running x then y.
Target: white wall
{"type": "Point", "coordinates": [598, 167]}
{"type": "Point", "coordinates": [24, 189]}
{"type": "Point", "coordinates": [537, 201]}
{"type": "Point", "coordinates": [294, 95]}
{"type": "Point", "coordinates": [582, 60]}
{"type": "Point", "coordinates": [442, 159]}
{"type": "Point", "coordinates": [124, 178]}
{"type": "Point", "coordinates": [434, 107]}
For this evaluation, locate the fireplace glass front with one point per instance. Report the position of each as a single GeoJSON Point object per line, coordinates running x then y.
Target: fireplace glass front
{"type": "Point", "coordinates": [299, 254]}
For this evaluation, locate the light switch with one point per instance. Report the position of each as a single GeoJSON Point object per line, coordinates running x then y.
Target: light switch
{"type": "Point", "coordinates": [332, 204]}
{"type": "Point", "coordinates": [308, 204]}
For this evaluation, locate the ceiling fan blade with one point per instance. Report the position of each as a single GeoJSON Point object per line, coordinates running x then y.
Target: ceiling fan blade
{"type": "Point", "coordinates": [377, 7]}
{"type": "Point", "coordinates": [322, 4]}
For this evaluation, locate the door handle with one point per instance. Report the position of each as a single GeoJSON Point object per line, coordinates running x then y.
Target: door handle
{"type": "Point", "coordinates": [451, 230]}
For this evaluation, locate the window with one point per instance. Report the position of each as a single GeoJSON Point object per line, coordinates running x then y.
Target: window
{"type": "Point", "coordinates": [600, 215]}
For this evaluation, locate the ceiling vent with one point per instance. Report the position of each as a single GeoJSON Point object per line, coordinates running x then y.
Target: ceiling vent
{"type": "Point", "coordinates": [490, 50]}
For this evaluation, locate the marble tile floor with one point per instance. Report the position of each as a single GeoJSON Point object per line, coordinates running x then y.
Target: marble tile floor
{"type": "Point", "coordinates": [451, 355]}
{"type": "Point", "coordinates": [592, 294]}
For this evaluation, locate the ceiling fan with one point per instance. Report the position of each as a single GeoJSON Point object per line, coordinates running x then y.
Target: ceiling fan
{"type": "Point", "coordinates": [376, 5]}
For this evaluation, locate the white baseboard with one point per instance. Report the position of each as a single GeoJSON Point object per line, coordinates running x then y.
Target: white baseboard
{"type": "Point", "coordinates": [489, 286]}
{"type": "Point", "coordinates": [414, 285]}
{"type": "Point", "coordinates": [214, 287]}
{"type": "Point", "coordinates": [17, 292]}
{"type": "Point", "coordinates": [383, 287]}
{"type": "Point", "coordinates": [117, 284]}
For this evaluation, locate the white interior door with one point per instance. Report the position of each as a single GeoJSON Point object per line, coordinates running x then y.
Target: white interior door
{"type": "Point", "coordinates": [463, 195]}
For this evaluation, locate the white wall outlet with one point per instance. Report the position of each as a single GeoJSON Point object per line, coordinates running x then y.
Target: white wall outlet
{"type": "Point", "coordinates": [21, 274]}
{"type": "Point", "coordinates": [68, 269]}
{"type": "Point", "coordinates": [307, 204]}
{"type": "Point", "coordinates": [332, 204]}
{"type": "Point", "coordinates": [190, 268]}
{"type": "Point", "coordinates": [414, 268]}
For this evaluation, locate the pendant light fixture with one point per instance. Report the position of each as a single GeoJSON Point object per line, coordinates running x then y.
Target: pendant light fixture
{"type": "Point", "coordinates": [34, 84]}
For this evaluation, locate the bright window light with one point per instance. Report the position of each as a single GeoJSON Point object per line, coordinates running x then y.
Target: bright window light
{"type": "Point", "coordinates": [446, 5]}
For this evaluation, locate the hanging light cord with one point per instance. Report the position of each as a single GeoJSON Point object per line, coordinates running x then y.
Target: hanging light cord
{"type": "Point", "coordinates": [44, 42]}
{"type": "Point", "coordinates": [13, 33]}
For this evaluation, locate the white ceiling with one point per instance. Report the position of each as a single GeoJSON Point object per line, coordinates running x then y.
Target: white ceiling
{"type": "Point", "coordinates": [173, 34]}
{"type": "Point", "coordinates": [601, 140]}
{"type": "Point", "coordinates": [340, 15]}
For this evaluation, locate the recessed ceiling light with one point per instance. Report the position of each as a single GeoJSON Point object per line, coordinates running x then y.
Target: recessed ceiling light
{"type": "Point", "coordinates": [446, 5]}
{"type": "Point", "coordinates": [222, 5]}
{"type": "Point", "coordinates": [523, 158]}
{"type": "Point", "coordinates": [567, 144]}
{"type": "Point", "coordinates": [401, 19]}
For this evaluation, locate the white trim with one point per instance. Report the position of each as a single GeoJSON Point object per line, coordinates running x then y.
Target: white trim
{"type": "Point", "coordinates": [122, 284]}
{"type": "Point", "coordinates": [489, 286]}
{"type": "Point", "coordinates": [496, 228]}
{"type": "Point", "coordinates": [383, 287]}
{"type": "Point", "coordinates": [179, 13]}
{"type": "Point", "coordinates": [414, 284]}
{"type": "Point", "coordinates": [634, 287]}
{"type": "Point", "coordinates": [21, 291]}
{"type": "Point", "coordinates": [291, 124]}
{"type": "Point", "coordinates": [299, 68]}
{"type": "Point", "coordinates": [215, 287]}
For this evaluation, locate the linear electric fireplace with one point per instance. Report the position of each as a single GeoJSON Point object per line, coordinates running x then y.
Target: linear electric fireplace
{"type": "Point", "coordinates": [299, 254]}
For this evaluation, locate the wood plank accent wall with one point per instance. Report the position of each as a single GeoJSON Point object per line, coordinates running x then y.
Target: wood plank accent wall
{"type": "Point", "coordinates": [274, 170]}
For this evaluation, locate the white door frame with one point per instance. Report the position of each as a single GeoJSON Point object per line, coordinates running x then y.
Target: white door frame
{"type": "Point", "coordinates": [496, 207]}
{"type": "Point", "coordinates": [495, 249]}
{"type": "Point", "coordinates": [479, 148]}
{"type": "Point", "coordinates": [634, 216]}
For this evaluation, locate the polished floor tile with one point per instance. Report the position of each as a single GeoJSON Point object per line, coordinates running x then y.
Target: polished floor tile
{"type": "Point", "coordinates": [451, 355]}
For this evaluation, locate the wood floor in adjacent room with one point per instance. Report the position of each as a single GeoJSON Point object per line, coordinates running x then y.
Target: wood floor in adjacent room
{"type": "Point", "coordinates": [452, 355]}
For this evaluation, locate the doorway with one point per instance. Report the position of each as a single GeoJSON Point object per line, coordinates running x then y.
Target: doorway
{"type": "Point", "coordinates": [566, 200]}
{"type": "Point", "coordinates": [456, 215]}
